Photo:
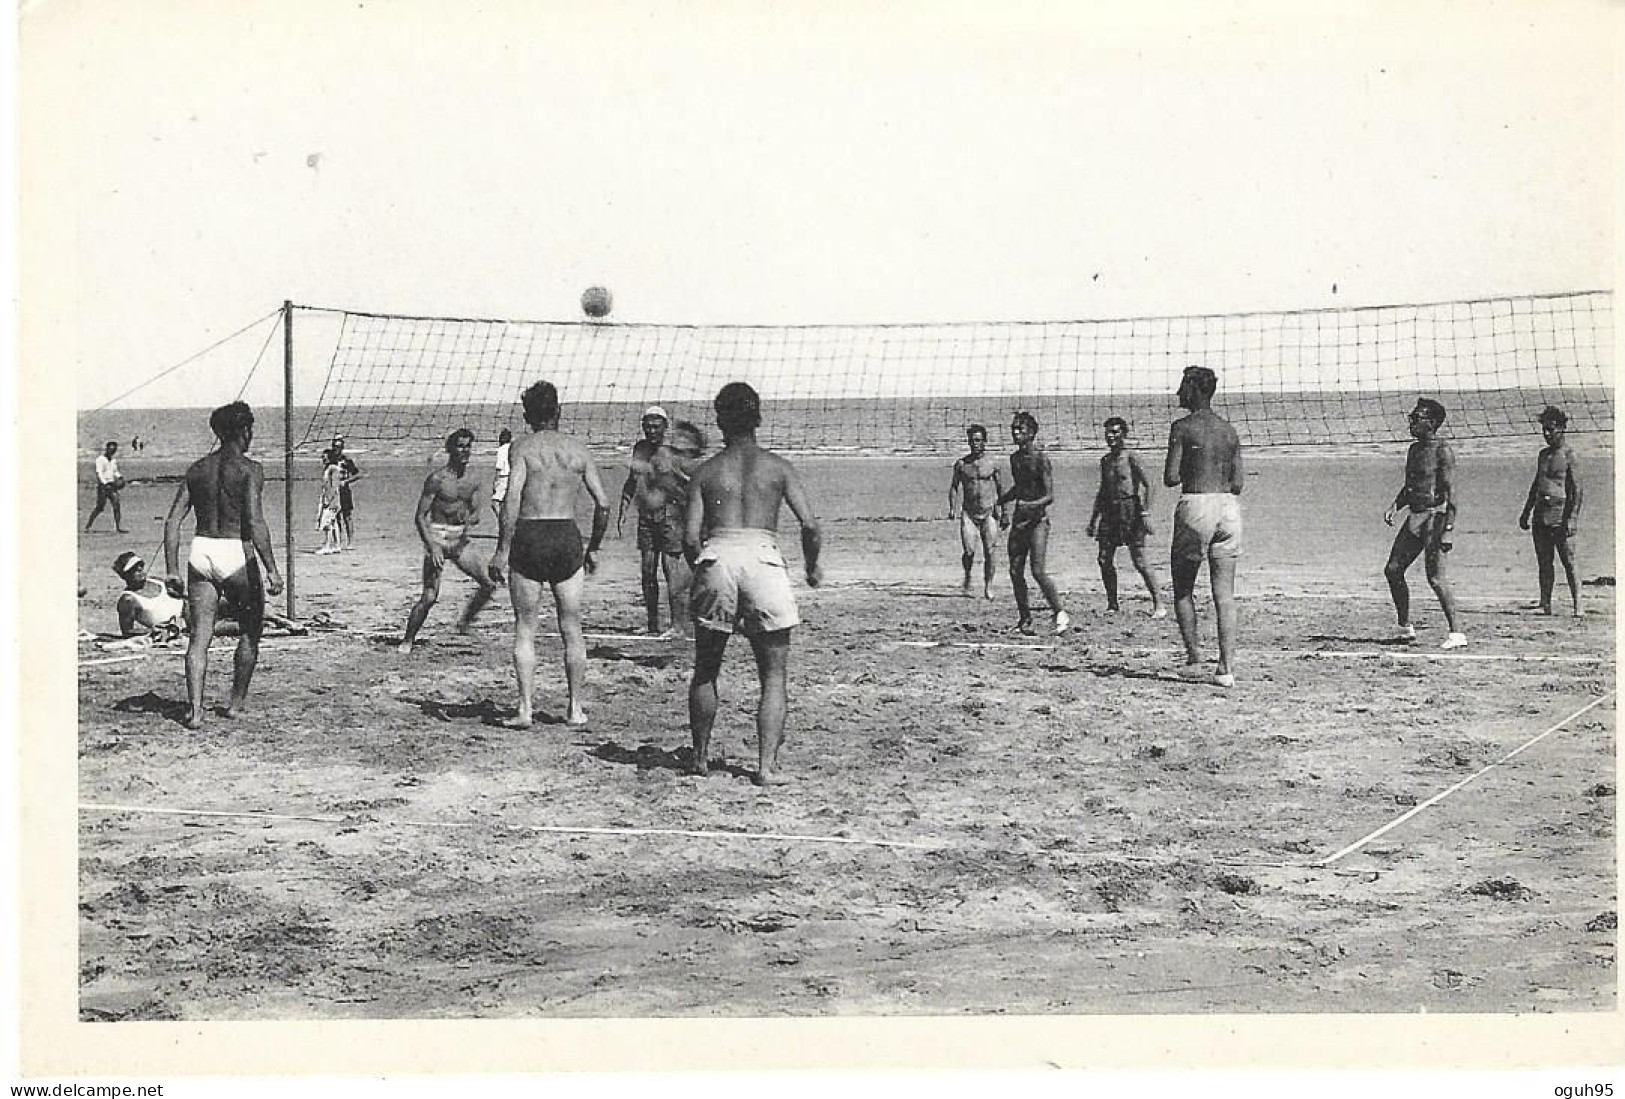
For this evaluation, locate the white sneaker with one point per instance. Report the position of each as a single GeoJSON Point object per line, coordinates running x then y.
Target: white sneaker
{"type": "Point", "coordinates": [1454, 641]}
{"type": "Point", "coordinates": [1159, 614]}
{"type": "Point", "coordinates": [1062, 621]}
{"type": "Point", "coordinates": [1405, 633]}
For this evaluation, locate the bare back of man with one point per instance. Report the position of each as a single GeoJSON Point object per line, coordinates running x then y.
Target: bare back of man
{"type": "Point", "coordinates": [223, 491]}
{"type": "Point", "coordinates": [740, 579]}
{"type": "Point", "coordinates": [540, 545]}
{"type": "Point", "coordinates": [1204, 461]}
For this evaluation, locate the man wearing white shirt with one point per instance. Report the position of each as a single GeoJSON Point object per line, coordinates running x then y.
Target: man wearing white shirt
{"type": "Point", "coordinates": [109, 483]}
{"type": "Point", "coordinates": [499, 487]}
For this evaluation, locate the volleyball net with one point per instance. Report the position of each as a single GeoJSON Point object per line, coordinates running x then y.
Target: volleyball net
{"type": "Point", "coordinates": [1324, 376]}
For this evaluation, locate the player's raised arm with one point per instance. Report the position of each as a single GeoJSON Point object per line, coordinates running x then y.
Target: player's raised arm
{"type": "Point", "coordinates": [258, 529]}
{"type": "Point", "coordinates": [812, 538]}
{"type": "Point", "coordinates": [172, 529]}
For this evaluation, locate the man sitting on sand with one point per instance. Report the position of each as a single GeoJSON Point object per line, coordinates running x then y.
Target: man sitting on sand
{"type": "Point", "coordinates": [149, 608]}
{"type": "Point", "coordinates": [1204, 460]}
{"type": "Point", "coordinates": [740, 580]}
{"type": "Point", "coordinates": [1551, 511]}
{"type": "Point", "coordinates": [229, 545]}
{"type": "Point", "coordinates": [1122, 515]}
{"type": "Point", "coordinates": [1428, 498]}
{"type": "Point", "coordinates": [546, 470]}
{"type": "Point", "coordinates": [977, 484]}
{"type": "Point", "coordinates": [451, 502]}
{"type": "Point", "coordinates": [1033, 491]}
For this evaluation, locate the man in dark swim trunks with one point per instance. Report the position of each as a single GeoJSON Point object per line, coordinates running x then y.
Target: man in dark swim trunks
{"type": "Point", "coordinates": [539, 543]}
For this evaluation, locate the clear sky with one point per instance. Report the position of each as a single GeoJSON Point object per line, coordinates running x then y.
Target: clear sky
{"type": "Point", "coordinates": [189, 164]}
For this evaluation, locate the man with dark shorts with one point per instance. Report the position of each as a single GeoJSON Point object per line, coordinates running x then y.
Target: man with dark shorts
{"type": "Point", "coordinates": [228, 547]}
{"type": "Point", "coordinates": [1033, 490]}
{"type": "Point", "coordinates": [741, 583]}
{"type": "Point", "coordinates": [659, 487]}
{"type": "Point", "coordinates": [540, 544]}
{"type": "Point", "coordinates": [1551, 511]}
{"type": "Point", "coordinates": [1122, 515]}
{"type": "Point", "coordinates": [1428, 499]}
{"type": "Point", "coordinates": [1204, 461]}
{"type": "Point", "coordinates": [451, 502]}
{"type": "Point", "coordinates": [109, 483]}
{"type": "Point", "coordinates": [349, 474]}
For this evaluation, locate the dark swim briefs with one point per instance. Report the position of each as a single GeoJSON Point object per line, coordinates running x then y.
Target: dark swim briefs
{"type": "Point", "coordinates": [546, 550]}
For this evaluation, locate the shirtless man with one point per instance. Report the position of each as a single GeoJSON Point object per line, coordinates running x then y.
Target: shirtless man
{"type": "Point", "coordinates": [1121, 516]}
{"type": "Point", "coordinates": [1204, 460]}
{"type": "Point", "coordinates": [658, 483]}
{"type": "Point", "coordinates": [741, 583]}
{"type": "Point", "coordinates": [451, 502]}
{"type": "Point", "coordinates": [1428, 498]}
{"type": "Point", "coordinates": [1033, 490]}
{"type": "Point", "coordinates": [978, 482]}
{"type": "Point", "coordinates": [1554, 503]}
{"type": "Point", "coordinates": [230, 543]}
{"type": "Point", "coordinates": [546, 470]}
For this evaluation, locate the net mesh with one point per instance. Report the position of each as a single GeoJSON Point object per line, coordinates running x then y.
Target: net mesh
{"type": "Point", "coordinates": [1295, 377]}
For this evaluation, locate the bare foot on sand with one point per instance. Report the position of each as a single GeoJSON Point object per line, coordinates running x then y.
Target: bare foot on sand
{"type": "Point", "coordinates": [404, 647]}
{"type": "Point", "coordinates": [194, 720]}
{"type": "Point", "coordinates": [771, 778]}
{"type": "Point", "coordinates": [518, 721]}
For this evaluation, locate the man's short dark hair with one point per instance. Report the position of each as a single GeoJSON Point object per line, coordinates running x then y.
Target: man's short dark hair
{"type": "Point", "coordinates": [1116, 421]}
{"type": "Point", "coordinates": [1022, 416]}
{"type": "Point", "coordinates": [504, 436]}
{"type": "Point", "coordinates": [460, 433]}
{"type": "Point", "coordinates": [974, 430]}
{"type": "Point", "coordinates": [229, 421]}
{"type": "Point", "coordinates": [738, 409]}
{"type": "Point", "coordinates": [1432, 409]}
{"type": "Point", "coordinates": [110, 443]}
{"type": "Point", "coordinates": [1551, 414]}
{"type": "Point", "coordinates": [1203, 381]}
{"type": "Point", "coordinates": [541, 402]}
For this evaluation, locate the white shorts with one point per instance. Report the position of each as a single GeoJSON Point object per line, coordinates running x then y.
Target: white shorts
{"type": "Point", "coordinates": [218, 559]}
{"type": "Point", "coordinates": [742, 585]}
{"type": "Point", "coordinates": [1206, 525]}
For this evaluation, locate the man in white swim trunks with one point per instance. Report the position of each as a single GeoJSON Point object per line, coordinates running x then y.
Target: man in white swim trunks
{"type": "Point", "coordinates": [1428, 499]}
{"type": "Point", "coordinates": [230, 544]}
{"type": "Point", "coordinates": [741, 583]}
{"type": "Point", "coordinates": [1204, 460]}
{"type": "Point", "coordinates": [973, 495]}
{"type": "Point", "coordinates": [450, 503]}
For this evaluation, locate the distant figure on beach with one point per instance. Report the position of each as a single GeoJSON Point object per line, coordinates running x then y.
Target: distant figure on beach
{"type": "Point", "coordinates": [540, 544]}
{"type": "Point", "coordinates": [499, 484]}
{"type": "Point", "coordinates": [351, 473]}
{"type": "Point", "coordinates": [1033, 490]}
{"type": "Point", "coordinates": [741, 583]}
{"type": "Point", "coordinates": [973, 497]}
{"type": "Point", "coordinates": [1428, 498]}
{"type": "Point", "coordinates": [136, 445]}
{"type": "Point", "coordinates": [153, 608]}
{"type": "Point", "coordinates": [1551, 511]}
{"type": "Point", "coordinates": [450, 503]}
{"type": "Point", "coordinates": [109, 483]}
{"type": "Point", "coordinates": [229, 546]}
{"type": "Point", "coordinates": [327, 504]}
{"type": "Point", "coordinates": [658, 488]}
{"type": "Point", "coordinates": [1204, 460]}
{"type": "Point", "coordinates": [1122, 515]}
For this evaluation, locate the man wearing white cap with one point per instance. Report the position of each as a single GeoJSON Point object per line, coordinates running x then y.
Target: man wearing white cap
{"type": "Point", "coordinates": [658, 483]}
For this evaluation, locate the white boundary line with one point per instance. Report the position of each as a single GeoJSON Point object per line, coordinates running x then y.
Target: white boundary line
{"type": "Point", "coordinates": [1398, 653]}
{"type": "Point", "coordinates": [114, 660]}
{"type": "Point", "coordinates": [1441, 795]}
{"type": "Point", "coordinates": [587, 830]}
